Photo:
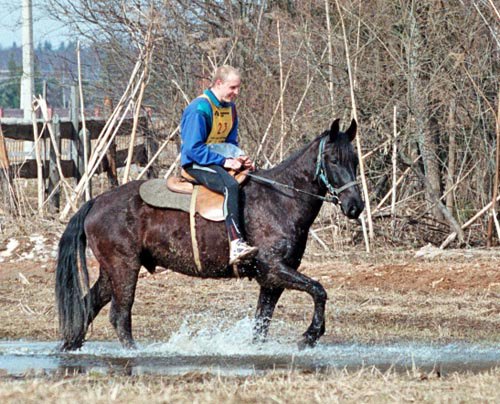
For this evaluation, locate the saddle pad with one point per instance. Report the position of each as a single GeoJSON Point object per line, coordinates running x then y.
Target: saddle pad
{"type": "Point", "coordinates": [208, 204]}
{"type": "Point", "coordinates": [155, 193]}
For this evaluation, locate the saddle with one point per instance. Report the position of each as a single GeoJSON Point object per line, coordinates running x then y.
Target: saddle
{"type": "Point", "coordinates": [183, 193]}
{"type": "Point", "coordinates": [207, 203]}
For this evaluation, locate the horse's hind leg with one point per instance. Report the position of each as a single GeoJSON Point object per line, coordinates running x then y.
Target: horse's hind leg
{"type": "Point", "coordinates": [124, 283]}
{"type": "Point", "coordinates": [100, 294]}
{"type": "Point", "coordinates": [265, 308]}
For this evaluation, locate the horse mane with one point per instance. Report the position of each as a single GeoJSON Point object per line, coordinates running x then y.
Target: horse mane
{"type": "Point", "coordinates": [343, 150]}
{"type": "Point", "coordinates": [290, 161]}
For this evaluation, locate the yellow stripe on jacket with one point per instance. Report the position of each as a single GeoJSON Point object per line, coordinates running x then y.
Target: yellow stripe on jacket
{"type": "Point", "coordinates": [222, 122]}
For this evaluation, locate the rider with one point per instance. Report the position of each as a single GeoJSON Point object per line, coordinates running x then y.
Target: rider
{"type": "Point", "coordinates": [209, 132]}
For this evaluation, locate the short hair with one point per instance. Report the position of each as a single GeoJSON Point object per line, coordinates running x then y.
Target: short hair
{"type": "Point", "coordinates": [223, 72]}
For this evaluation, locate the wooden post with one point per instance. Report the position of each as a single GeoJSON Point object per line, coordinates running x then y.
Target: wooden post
{"type": "Point", "coordinates": [37, 139]}
{"type": "Point", "coordinates": [4, 157]}
{"type": "Point", "coordinates": [75, 150]}
{"type": "Point", "coordinates": [54, 189]}
{"type": "Point", "coordinates": [41, 105]}
{"type": "Point", "coordinates": [85, 139]}
{"type": "Point", "coordinates": [5, 179]}
{"type": "Point", "coordinates": [9, 200]}
{"type": "Point", "coordinates": [111, 152]}
{"type": "Point", "coordinates": [84, 133]}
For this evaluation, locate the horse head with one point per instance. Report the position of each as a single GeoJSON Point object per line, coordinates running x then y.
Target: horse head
{"type": "Point", "coordinates": [336, 168]}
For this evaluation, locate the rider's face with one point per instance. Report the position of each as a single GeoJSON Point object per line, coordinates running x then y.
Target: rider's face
{"type": "Point", "coordinates": [229, 89]}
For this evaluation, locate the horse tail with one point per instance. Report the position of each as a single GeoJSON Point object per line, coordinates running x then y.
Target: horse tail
{"type": "Point", "coordinates": [73, 307]}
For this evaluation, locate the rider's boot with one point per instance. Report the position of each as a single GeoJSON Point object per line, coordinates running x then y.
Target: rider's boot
{"type": "Point", "coordinates": [241, 251]}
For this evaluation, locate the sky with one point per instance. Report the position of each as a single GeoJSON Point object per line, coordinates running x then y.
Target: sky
{"type": "Point", "coordinates": [45, 28]}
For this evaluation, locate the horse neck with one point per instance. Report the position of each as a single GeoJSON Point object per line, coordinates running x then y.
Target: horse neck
{"type": "Point", "coordinates": [299, 170]}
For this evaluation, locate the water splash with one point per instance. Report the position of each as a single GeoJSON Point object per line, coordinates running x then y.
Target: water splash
{"type": "Point", "coordinates": [207, 343]}
{"type": "Point", "coordinates": [205, 334]}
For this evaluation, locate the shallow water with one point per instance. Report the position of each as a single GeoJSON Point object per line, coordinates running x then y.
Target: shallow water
{"type": "Point", "coordinates": [20, 357]}
{"type": "Point", "coordinates": [226, 349]}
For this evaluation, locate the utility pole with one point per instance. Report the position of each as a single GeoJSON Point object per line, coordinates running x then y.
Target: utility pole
{"type": "Point", "coordinates": [27, 79]}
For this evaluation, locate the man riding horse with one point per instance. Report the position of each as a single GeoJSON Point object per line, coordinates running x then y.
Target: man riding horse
{"type": "Point", "coordinates": [209, 132]}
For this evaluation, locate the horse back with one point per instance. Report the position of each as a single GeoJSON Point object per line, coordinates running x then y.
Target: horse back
{"type": "Point", "coordinates": [122, 230]}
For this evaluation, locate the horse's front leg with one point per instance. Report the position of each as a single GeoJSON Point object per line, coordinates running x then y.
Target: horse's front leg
{"type": "Point", "coordinates": [268, 298]}
{"type": "Point", "coordinates": [285, 277]}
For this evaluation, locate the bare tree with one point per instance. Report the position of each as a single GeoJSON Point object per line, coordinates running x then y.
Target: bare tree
{"type": "Point", "coordinates": [437, 62]}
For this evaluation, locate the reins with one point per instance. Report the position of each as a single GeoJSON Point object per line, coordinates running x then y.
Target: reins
{"type": "Point", "coordinates": [320, 174]}
{"type": "Point", "coordinates": [272, 182]}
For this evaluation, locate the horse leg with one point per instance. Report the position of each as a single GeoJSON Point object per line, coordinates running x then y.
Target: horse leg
{"type": "Point", "coordinates": [123, 294]}
{"type": "Point", "coordinates": [265, 308]}
{"type": "Point", "coordinates": [283, 276]}
{"type": "Point", "coordinates": [100, 294]}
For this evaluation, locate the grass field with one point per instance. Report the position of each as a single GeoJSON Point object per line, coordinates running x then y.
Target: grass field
{"type": "Point", "coordinates": [380, 298]}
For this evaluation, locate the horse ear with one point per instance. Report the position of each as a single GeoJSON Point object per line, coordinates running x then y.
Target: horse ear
{"type": "Point", "coordinates": [334, 129]}
{"type": "Point", "coordinates": [351, 132]}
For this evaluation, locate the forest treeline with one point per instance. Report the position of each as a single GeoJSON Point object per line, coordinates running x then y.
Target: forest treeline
{"type": "Point", "coordinates": [53, 65]}
{"type": "Point", "coordinates": [422, 78]}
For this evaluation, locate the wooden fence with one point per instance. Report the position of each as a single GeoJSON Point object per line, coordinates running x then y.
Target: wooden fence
{"type": "Point", "coordinates": [18, 161]}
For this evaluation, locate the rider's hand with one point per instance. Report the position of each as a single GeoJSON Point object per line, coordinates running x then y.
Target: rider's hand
{"type": "Point", "coordinates": [246, 162]}
{"type": "Point", "coordinates": [233, 164]}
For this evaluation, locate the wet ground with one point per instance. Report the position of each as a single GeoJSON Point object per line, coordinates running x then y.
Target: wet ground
{"type": "Point", "coordinates": [22, 357]}
{"type": "Point", "coordinates": [404, 312]}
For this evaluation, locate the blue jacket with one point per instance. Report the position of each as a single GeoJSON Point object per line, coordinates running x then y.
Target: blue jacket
{"type": "Point", "coordinates": [196, 124]}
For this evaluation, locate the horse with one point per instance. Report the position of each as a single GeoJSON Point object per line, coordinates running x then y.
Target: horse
{"type": "Point", "coordinates": [278, 206]}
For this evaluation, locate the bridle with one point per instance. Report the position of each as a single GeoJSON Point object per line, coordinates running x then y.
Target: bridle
{"type": "Point", "coordinates": [319, 175]}
{"type": "Point", "coordinates": [322, 177]}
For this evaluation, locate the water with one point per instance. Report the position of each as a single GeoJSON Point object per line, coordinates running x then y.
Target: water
{"type": "Point", "coordinates": [226, 349]}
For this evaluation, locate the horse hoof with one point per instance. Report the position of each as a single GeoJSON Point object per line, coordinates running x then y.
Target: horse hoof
{"type": "Point", "coordinates": [129, 345]}
{"type": "Point", "coordinates": [66, 346]}
{"type": "Point", "coordinates": [259, 340]}
{"type": "Point", "coordinates": [307, 342]}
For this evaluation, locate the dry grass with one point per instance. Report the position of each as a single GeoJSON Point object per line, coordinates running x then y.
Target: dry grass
{"type": "Point", "coordinates": [359, 312]}
{"type": "Point", "coordinates": [366, 385]}
{"type": "Point", "coordinates": [376, 298]}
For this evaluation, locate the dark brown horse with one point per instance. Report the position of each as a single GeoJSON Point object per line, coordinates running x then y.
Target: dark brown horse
{"type": "Point", "coordinates": [279, 207]}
